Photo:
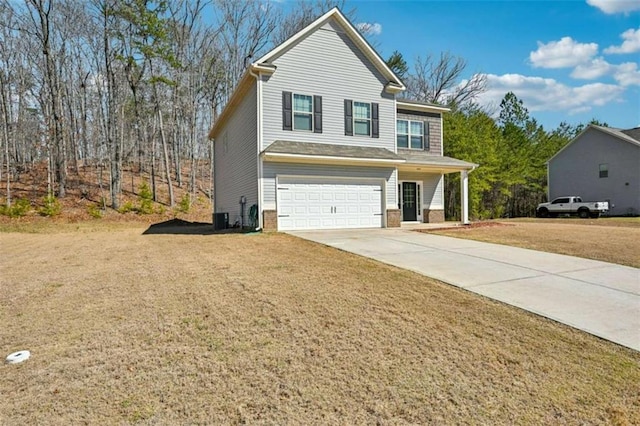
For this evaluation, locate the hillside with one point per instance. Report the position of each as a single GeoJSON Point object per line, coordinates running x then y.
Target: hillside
{"type": "Point", "coordinates": [87, 196]}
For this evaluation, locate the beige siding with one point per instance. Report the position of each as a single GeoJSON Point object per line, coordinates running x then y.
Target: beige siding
{"type": "Point", "coordinates": [272, 170]}
{"type": "Point", "coordinates": [235, 164]}
{"type": "Point", "coordinates": [435, 130]}
{"type": "Point", "coordinates": [327, 63]}
{"type": "Point", "coordinates": [575, 171]}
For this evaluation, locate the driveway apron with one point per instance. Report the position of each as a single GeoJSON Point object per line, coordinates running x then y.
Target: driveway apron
{"type": "Point", "coordinates": [597, 297]}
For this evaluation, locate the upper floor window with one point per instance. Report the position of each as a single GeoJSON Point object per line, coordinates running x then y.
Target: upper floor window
{"type": "Point", "coordinates": [604, 170]}
{"type": "Point", "coordinates": [410, 134]}
{"type": "Point", "coordinates": [362, 118]}
{"type": "Point", "coordinates": [302, 112]}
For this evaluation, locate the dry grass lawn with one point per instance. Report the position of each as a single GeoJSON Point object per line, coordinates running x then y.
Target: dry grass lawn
{"type": "Point", "coordinates": [189, 328]}
{"type": "Point", "coordinates": [615, 240]}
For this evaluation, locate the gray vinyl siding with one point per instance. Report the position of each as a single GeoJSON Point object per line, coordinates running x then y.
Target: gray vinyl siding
{"type": "Point", "coordinates": [271, 170]}
{"type": "Point", "coordinates": [235, 160]}
{"type": "Point", "coordinates": [432, 194]}
{"type": "Point", "coordinates": [435, 130]}
{"type": "Point", "coordinates": [328, 64]}
{"type": "Point", "coordinates": [575, 171]}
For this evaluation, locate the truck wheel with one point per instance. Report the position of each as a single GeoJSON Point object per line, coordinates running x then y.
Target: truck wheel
{"type": "Point", "coordinates": [543, 212]}
{"type": "Point", "coordinates": [583, 213]}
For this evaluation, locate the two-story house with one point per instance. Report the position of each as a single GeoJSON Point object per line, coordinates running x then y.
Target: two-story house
{"type": "Point", "coordinates": [317, 136]}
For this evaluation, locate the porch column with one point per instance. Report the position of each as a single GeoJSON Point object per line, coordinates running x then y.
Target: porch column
{"type": "Point", "coordinates": [464, 196]}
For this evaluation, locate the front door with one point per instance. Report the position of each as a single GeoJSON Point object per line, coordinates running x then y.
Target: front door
{"type": "Point", "coordinates": [409, 205]}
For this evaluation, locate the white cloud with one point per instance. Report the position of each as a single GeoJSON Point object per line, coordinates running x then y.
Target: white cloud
{"type": "Point", "coordinates": [627, 74]}
{"type": "Point", "coordinates": [593, 69]}
{"type": "Point", "coordinates": [615, 6]}
{"type": "Point", "coordinates": [546, 94]}
{"type": "Point", "coordinates": [369, 28]}
{"type": "Point", "coordinates": [630, 44]}
{"type": "Point", "coordinates": [563, 53]}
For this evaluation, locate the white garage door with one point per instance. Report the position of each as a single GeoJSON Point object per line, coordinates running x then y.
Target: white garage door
{"type": "Point", "coordinates": [328, 204]}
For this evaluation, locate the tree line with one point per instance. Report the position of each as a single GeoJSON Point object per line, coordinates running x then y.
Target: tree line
{"type": "Point", "coordinates": [138, 83]}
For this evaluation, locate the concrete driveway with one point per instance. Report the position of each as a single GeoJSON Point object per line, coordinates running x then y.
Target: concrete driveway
{"type": "Point", "coordinates": [597, 297]}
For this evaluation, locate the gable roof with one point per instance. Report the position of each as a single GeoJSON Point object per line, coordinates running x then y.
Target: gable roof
{"type": "Point", "coordinates": [631, 136]}
{"type": "Point", "coordinates": [350, 31]}
{"type": "Point", "coordinates": [263, 64]}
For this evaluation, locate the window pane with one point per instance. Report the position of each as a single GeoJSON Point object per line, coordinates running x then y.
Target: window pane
{"type": "Point", "coordinates": [361, 110]}
{"type": "Point", "coordinates": [302, 103]}
{"type": "Point", "coordinates": [416, 142]}
{"type": "Point", "coordinates": [361, 127]}
{"type": "Point", "coordinates": [302, 121]}
{"type": "Point", "coordinates": [416, 128]}
{"type": "Point", "coordinates": [402, 127]}
{"type": "Point", "coordinates": [403, 141]}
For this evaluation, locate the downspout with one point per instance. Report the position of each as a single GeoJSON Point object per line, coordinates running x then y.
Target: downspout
{"type": "Point", "coordinates": [258, 78]}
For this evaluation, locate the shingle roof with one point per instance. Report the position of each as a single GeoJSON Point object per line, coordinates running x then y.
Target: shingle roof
{"type": "Point", "coordinates": [330, 150]}
{"type": "Point", "coordinates": [422, 157]}
{"type": "Point", "coordinates": [634, 133]}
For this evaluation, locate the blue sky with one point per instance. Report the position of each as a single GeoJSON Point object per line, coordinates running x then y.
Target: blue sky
{"type": "Point", "coordinates": [570, 60]}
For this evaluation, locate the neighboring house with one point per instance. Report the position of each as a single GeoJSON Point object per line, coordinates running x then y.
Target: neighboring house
{"type": "Point", "coordinates": [316, 136]}
{"type": "Point", "coordinates": [600, 164]}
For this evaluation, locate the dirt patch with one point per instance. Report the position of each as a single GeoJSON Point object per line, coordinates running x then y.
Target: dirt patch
{"type": "Point", "coordinates": [266, 328]}
{"type": "Point", "coordinates": [615, 240]}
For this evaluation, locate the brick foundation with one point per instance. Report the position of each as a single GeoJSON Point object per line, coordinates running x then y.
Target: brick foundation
{"type": "Point", "coordinates": [270, 220]}
{"type": "Point", "coordinates": [393, 218]}
{"type": "Point", "coordinates": [432, 216]}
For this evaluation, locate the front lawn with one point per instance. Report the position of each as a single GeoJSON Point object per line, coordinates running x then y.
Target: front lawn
{"type": "Point", "coordinates": [185, 327]}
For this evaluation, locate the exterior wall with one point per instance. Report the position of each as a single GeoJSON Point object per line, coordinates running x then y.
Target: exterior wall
{"type": "Point", "coordinates": [327, 63]}
{"type": "Point", "coordinates": [270, 220]}
{"type": "Point", "coordinates": [394, 218]}
{"type": "Point", "coordinates": [235, 160]}
{"type": "Point", "coordinates": [432, 194]}
{"type": "Point", "coordinates": [575, 171]}
{"type": "Point", "coordinates": [271, 170]}
{"type": "Point", "coordinates": [433, 216]}
{"type": "Point", "coordinates": [435, 129]}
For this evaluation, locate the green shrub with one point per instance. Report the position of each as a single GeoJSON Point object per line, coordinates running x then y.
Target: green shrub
{"type": "Point", "coordinates": [127, 207]}
{"type": "Point", "coordinates": [94, 211]}
{"type": "Point", "coordinates": [19, 208]}
{"type": "Point", "coordinates": [51, 206]}
{"type": "Point", "coordinates": [146, 199]}
{"type": "Point", "coordinates": [185, 203]}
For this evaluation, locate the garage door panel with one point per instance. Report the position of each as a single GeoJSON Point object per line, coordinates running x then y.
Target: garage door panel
{"type": "Point", "coordinates": [327, 204]}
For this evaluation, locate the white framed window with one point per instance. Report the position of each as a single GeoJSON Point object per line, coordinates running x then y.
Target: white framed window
{"type": "Point", "coordinates": [402, 132]}
{"type": "Point", "coordinates": [302, 112]}
{"type": "Point", "coordinates": [410, 134]}
{"type": "Point", "coordinates": [362, 118]}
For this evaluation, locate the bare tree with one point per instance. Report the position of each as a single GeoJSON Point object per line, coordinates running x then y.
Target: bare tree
{"type": "Point", "coordinates": [440, 80]}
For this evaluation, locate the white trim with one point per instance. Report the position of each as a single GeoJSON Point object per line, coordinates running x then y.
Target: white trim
{"type": "Point", "coordinates": [421, 107]}
{"type": "Point", "coordinates": [293, 112]}
{"type": "Point", "coordinates": [274, 156]}
{"type": "Point", "coordinates": [353, 118]}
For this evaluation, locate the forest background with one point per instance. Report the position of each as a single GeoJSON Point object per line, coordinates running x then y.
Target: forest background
{"type": "Point", "coordinates": [109, 85]}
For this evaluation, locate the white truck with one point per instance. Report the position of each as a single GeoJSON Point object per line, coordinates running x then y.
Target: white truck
{"type": "Point", "coordinates": [572, 205]}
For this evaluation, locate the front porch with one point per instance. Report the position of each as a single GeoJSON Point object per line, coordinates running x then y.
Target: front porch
{"type": "Point", "coordinates": [421, 188]}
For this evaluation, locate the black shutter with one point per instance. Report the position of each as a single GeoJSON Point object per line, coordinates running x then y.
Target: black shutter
{"type": "Point", "coordinates": [287, 123]}
{"type": "Point", "coordinates": [317, 114]}
{"type": "Point", "coordinates": [348, 117]}
{"type": "Point", "coordinates": [375, 124]}
{"type": "Point", "coordinates": [426, 135]}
